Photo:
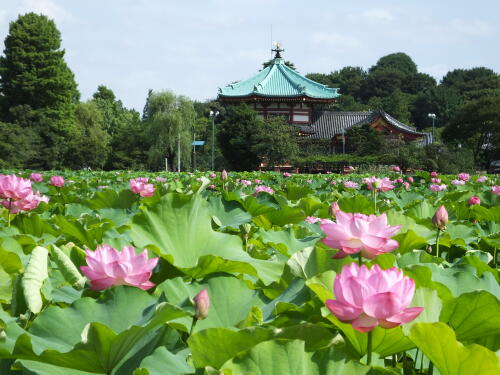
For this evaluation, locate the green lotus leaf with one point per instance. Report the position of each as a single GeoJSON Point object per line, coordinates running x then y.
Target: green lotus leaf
{"type": "Point", "coordinates": [214, 346]}
{"type": "Point", "coordinates": [285, 240]}
{"type": "Point", "coordinates": [229, 213]}
{"type": "Point", "coordinates": [230, 299]}
{"type": "Point", "coordinates": [163, 362]}
{"type": "Point", "coordinates": [179, 229]}
{"type": "Point", "coordinates": [438, 342]}
{"type": "Point", "coordinates": [96, 335]}
{"type": "Point", "coordinates": [473, 315]}
{"type": "Point", "coordinates": [34, 275]}
{"type": "Point", "coordinates": [289, 357]}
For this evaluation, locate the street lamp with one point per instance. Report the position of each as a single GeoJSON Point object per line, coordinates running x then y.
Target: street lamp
{"type": "Point", "coordinates": [433, 117]}
{"type": "Point", "coordinates": [213, 115]}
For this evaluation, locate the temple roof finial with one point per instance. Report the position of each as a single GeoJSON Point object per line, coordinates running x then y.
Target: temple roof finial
{"type": "Point", "coordinates": [277, 48]}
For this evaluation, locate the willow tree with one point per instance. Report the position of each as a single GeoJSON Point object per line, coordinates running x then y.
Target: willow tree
{"type": "Point", "coordinates": [170, 120]}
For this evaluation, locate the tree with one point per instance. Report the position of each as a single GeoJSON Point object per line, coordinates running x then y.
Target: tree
{"type": "Point", "coordinates": [90, 148]}
{"type": "Point", "coordinates": [277, 141]}
{"type": "Point", "coordinates": [364, 140]}
{"type": "Point", "coordinates": [239, 134]}
{"type": "Point", "coordinates": [170, 121]}
{"type": "Point", "coordinates": [35, 77]}
{"type": "Point", "coordinates": [17, 145]}
{"type": "Point", "coordinates": [477, 127]}
{"type": "Point", "coordinates": [396, 61]}
{"type": "Point", "coordinates": [397, 105]}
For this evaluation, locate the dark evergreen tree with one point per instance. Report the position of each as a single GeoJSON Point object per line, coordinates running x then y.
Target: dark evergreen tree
{"type": "Point", "coordinates": [239, 134]}
{"type": "Point", "coordinates": [35, 77]}
{"type": "Point", "coordinates": [277, 141]}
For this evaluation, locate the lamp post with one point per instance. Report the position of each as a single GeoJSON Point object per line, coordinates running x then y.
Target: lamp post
{"type": "Point", "coordinates": [433, 117]}
{"type": "Point", "coordinates": [213, 115]}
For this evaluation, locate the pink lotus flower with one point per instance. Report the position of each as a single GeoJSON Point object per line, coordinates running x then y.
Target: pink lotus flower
{"type": "Point", "coordinates": [396, 168]}
{"type": "Point", "coordinates": [257, 181]}
{"type": "Point", "coordinates": [202, 304]}
{"type": "Point", "coordinates": [211, 187]}
{"type": "Point", "coordinates": [482, 179]}
{"type": "Point", "coordinates": [14, 188]}
{"type": "Point", "coordinates": [406, 185]}
{"type": "Point", "coordinates": [312, 219]}
{"type": "Point", "coordinates": [440, 218]}
{"type": "Point", "coordinates": [160, 179]}
{"type": "Point", "coordinates": [435, 180]}
{"type": "Point", "coordinates": [141, 187]}
{"type": "Point", "coordinates": [57, 181]}
{"type": "Point", "coordinates": [350, 185]}
{"type": "Point", "coordinates": [287, 174]}
{"type": "Point", "coordinates": [474, 200]}
{"type": "Point", "coordinates": [398, 180]}
{"type": "Point", "coordinates": [212, 175]}
{"type": "Point", "coordinates": [368, 298]}
{"type": "Point", "coordinates": [223, 175]}
{"type": "Point", "coordinates": [36, 177]}
{"type": "Point", "coordinates": [458, 182]}
{"type": "Point", "coordinates": [28, 203]}
{"type": "Point", "coordinates": [354, 233]}
{"type": "Point", "coordinates": [246, 182]}
{"type": "Point", "coordinates": [463, 177]}
{"type": "Point", "coordinates": [436, 187]}
{"type": "Point", "coordinates": [495, 189]}
{"type": "Point", "coordinates": [411, 180]}
{"type": "Point", "coordinates": [107, 267]}
{"type": "Point", "coordinates": [380, 184]}
{"type": "Point", "coordinates": [434, 174]}
{"type": "Point", "coordinates": [263, 188]}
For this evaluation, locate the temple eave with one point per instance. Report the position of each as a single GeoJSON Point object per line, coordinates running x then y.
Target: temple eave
{"type": "Point", "coordinates": [259, 98]}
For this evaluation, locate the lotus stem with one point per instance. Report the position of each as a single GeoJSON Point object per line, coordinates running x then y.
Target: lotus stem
{"type": "Point", "coordinates": [8, 214]}
{"type": "Point", "coordinates": [375, 200]}
{"type": "Point", "coordinates": [369, 349]}
{"type": "Point", "coordinates": [195, 320]}
{"type": "Point", "coordinates": [437, 242]}
{"type": "Point", "coordinates": [431, 368]}
{"type": "Point", "coordinates": [360, 259]}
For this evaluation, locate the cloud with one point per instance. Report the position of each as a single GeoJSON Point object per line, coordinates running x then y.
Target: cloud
{"type": "Point", "coordinates": [335, 39]}
{"type": "Point", "coordinates": [372, 16]}
{"type": "Point", "coordinates": [46, 7]}
{"type": "Point", "coordinates": [471, 27]}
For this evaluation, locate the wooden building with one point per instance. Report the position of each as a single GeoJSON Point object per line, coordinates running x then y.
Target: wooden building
{"type": "Point", "coordinates": [278, 90]}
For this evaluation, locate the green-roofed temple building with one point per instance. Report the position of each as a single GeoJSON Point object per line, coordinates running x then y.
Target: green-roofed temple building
{"type": "Point", "coordinates": [278, 90]}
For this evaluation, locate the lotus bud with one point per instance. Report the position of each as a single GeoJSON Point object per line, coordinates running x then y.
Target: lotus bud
{"type": "Point", "coordinates": [434, 174]}
{"type": "Point", "coordinates": [334, 207]}
{"type": "Point", "coordinates": [202, 303]}
{"type": "Point", "coordinates": [411, 180]}
{"type": "Point", "coordinates": [223, 175]}
{"type": "Point", "coordinates": [440, 218]}
{"type": "Point", "coordinates": [474, 200]}
{"type": "Point", "coordinates": [246, 228]}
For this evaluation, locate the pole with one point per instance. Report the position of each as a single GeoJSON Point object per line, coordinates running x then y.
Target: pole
{"type": "Point", "coordinates": [213, 139]}
{"type": "Point", "coordinates": [166, 164]}
{"type": "Point", "coordinates": [194, 153]}
{"type": "Point", "coordinates": [179, 152]}
{"type": "Point", "coordinates": [433, 118]}
{"type": "Point", "coordinates": [343, 141]}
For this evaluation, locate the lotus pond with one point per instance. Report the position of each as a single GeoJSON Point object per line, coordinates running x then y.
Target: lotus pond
{"type": "Point", "coordinates": [250, 273]}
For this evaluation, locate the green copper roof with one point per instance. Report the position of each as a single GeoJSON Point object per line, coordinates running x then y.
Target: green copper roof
{"type": "Point", "coordinates": [278, 80]}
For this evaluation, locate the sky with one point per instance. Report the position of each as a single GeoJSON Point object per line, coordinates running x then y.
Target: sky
{"type": "Point", "coordinates": [193, 47]}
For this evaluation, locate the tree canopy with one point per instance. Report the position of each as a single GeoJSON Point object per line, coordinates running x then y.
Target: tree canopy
{"type": "Point", "coordinates": [37, 88]}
